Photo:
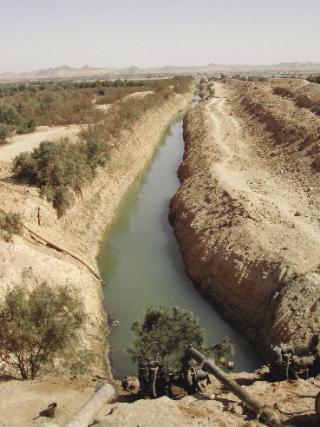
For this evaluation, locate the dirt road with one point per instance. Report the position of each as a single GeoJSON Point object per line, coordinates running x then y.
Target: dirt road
{"type": "Point", "coordinates": [28, 142]}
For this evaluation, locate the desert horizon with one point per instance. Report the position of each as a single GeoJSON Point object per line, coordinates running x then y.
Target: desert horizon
{"type": "Point", "coordinates": [85, 71]}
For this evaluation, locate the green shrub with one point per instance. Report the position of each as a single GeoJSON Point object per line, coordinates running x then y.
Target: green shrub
{"type": "Point", "coordinates": [38, 327]}
{"type": "Point", "coordinates": [62, 198]}
{"type": "Point", "coordinates": [26, 126]}
{"type": "Point", "coordinates": [165, 333]}
{"type": "Point", "coordinates": [10, 224]}
{"type": "Point", "coordinates": [4, 134]}
{"type": "Point", "coordinates": [314, 78]}
{"type": "Point", "coordinates": [61, 169]}
{"type": "Point", "coordinates": [96, 153]}
{"type": "Point", "coordinates": [182, 84]}
{"type": "Point", "coordinates": [45, 105]}
{"type": "Point", "coordinates": [8, 114]}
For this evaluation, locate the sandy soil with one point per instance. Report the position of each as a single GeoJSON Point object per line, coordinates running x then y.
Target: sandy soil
{"type": "Point", "coordinates": [28, 142]}
{"type": "Point", "coordinates": [103, 107]}
{"type": "Point", "coordinates": [292, 402]}
{"type": "Point", "coordinates": [248, 228]}
{"type": "Point", "coordinates": [21, 401]}
{"type": "Point", "coordinates": [138, 94]}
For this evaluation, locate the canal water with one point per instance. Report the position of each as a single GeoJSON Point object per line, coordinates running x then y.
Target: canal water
{"type": "Point", "coordinates": [142, 266]}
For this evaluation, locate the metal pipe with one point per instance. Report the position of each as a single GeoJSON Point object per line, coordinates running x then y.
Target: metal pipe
{"type": "Point", "coordinates": [264, 412]}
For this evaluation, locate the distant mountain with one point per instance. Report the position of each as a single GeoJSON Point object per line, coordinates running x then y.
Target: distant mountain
{"type": "Point", "coordinates": [66, 72]}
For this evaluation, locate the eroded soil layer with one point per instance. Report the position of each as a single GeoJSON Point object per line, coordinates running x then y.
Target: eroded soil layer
{"type": "Point", "coordinates": [247, 212]}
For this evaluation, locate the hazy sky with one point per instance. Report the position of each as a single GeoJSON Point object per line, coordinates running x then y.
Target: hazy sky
{"type": "Point", "coordinates": [118, 33]}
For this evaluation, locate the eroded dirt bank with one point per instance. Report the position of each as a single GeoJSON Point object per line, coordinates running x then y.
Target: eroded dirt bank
{"type": "Point", "coordinates": [26, 262]}
{"type": "Point", "coordinates": [247, 212]}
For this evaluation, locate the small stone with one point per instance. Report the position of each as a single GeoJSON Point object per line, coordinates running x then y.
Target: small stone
{"type": "Point", "coordinates": [297, 213]}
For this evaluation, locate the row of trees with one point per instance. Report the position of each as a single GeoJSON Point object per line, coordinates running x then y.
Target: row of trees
{"type": "Point", "coordinates": [22, 112]}
{"type": "Point", "coordinates": [23, 107]}
{"type": "Point", "coordinates": [7, 89]}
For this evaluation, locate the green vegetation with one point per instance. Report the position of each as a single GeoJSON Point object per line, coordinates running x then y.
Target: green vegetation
{"type": "Point", "coordinates": [61, 169]}
{"type": "Point", "coordinates": [314, 78]}
{"type": "Point", "coordinates": [165, 333]}
{"type": "Point", "coordinates": [21, 112]}
{"type": "Point", "coordinates": [25, 106]}
{"type": "Point", "coordinates": [124, 113]}
{"type": "Point", "coordinates": [202, 94]}
{"type": "Point", "coordinates": [10, 224]}
{"type": "Point", "coordinates": [206, 88]}
{"type": "Point", "coordinates": [37, 328]}
{"type": "Point", "coordinates": [211, 90]}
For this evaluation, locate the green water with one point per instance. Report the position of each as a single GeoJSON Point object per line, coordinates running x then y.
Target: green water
{"type": "Point", "coordinates": [141, 262]}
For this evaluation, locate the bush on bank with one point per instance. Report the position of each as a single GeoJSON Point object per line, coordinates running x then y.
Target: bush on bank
{"type": "Point", "coordinates": [37, 328]}
{"type": "Point", "coordinates": [61, 169]}
{"type": "Point", "coordinates": [314, 78]}
{"type": "Point", "coordinates": [164, 334]}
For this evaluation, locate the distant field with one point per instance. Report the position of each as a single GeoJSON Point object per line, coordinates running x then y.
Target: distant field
{"type": "Point", "coordinates": [23, 107]}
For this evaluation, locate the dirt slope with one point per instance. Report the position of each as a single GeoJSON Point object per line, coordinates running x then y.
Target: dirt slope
{"type": "Point", "coordinates": [247, 227]}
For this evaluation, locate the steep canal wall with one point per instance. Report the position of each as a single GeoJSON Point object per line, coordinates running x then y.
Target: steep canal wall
{"type": "Point", "coordinates": [238, 216]}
